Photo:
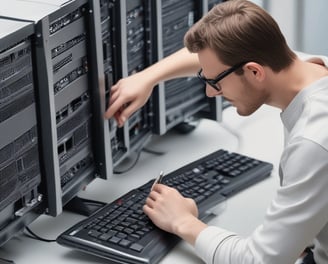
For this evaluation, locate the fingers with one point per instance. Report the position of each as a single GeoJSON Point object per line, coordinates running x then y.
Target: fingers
{"type": "Point", "coordinates": [161, 188]}
{"type": "Point", "coordinates": [121, 106]}
{"type": "Point", "coordinates": [113, 97]}
{"type": "Point", "coordinates": [117, 110]}
{"type": "Point", "coordinates": [155, 195]}
{"type": "Point", "coordinates": [125, 100]}
{"type": "Point", "coordinates": [156, 191]}
{"type": "Point", "coordinates": [152, 199]}
{"type": "Point", "coordinates": [128, 110]}
{"type": "Point", "coordinates": [120, 112]}
{"type": "Point", "coordinates": [115, 102]}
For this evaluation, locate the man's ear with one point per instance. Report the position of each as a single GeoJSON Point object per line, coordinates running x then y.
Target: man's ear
{"type": "Point", "coordinates": [254, 71]}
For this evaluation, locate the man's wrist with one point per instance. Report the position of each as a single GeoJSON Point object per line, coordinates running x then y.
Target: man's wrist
{"type": "Point", "coordinates": [189, 229]}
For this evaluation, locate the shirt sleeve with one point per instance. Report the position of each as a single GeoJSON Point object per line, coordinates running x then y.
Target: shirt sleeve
{"type": "Point", "coordinates": [294, 218]}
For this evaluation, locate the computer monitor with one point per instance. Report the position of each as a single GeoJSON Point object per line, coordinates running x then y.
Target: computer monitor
{"type": "Point", "coordinates": [20, 178]}
{"type": "Point", "coordinates": [70, 96]}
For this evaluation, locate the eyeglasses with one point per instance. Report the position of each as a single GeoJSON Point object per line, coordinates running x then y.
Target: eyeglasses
{"type": "Point", "coordinates": [214, 82]}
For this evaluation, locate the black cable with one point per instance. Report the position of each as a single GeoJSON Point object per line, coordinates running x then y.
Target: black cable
{"type": "Point", "coordinates": [6, 261]}
{"type": "Point", "coordinates": [130, 167]}
{"type": "Point", "coordinates": [35, 236]}
{"type": "Point", "coordinates": [151, 151]}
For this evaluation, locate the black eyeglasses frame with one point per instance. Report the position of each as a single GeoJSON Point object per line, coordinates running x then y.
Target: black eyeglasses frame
{"type": "Point", "coordinates": [213, 82]}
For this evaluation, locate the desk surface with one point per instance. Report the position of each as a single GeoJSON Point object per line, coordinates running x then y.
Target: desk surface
{"type": "Point", "coordinates": [259, 136]}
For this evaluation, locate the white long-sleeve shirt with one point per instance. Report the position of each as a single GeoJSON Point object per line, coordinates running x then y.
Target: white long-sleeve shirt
{"type": "Point", "coordinates": [298, 214]}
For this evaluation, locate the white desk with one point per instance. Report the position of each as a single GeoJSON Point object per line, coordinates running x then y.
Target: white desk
{"type": "Point", "coordinates": [260, 136]}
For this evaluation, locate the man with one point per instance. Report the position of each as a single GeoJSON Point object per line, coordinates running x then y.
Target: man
{"type": "Point", "coordinates": [244, 57]}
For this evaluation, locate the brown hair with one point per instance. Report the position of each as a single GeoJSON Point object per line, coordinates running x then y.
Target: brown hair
{"type": "Point", "coordinates": [240, 31]}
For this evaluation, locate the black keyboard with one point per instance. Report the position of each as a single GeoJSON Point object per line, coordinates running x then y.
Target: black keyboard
{"type": "Point", "coordinates": [121, 232]}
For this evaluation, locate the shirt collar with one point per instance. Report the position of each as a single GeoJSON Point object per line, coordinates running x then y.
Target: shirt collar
{"type": "Point", "coordinates": [293, 111]}
{"type": "Point", "coordinates": [291, 114]}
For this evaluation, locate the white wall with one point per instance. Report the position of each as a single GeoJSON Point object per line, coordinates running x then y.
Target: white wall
{"type": "Point", "coordinates": [303, 22]}
{"type": "Point", "coordinates": [315, 23]}
{"type": "Point", "coordinates": [258, 2]}
{"type": "Point", "coordinates": [285, 12]}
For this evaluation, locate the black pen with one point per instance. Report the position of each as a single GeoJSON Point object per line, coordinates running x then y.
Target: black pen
{"type": "Point", "coordinates": [157, 180]}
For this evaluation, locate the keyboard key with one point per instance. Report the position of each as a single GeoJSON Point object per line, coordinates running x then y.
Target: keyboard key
{"type": "Point", "coordinates": [137, 247]}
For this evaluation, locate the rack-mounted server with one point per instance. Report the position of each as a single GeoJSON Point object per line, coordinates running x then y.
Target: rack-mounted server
{"type": "Point", "coordinates": [72, 129]}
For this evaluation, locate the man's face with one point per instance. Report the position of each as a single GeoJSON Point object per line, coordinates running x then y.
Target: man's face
{"type": "Point", "coordinates": [241, 91]}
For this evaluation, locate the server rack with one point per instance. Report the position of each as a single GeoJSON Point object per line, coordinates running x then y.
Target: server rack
{"type": "Point", "coordinates": [177, 100]}
{"type": "Point", "coordinates": [125, 33]}
{"type": "Point", "coordinates": [112, 71]}
{"type": "Point", "coordinates": [20, 199]}
{"type": "Point", "coordinates": [73, 132]}
{"type": "Point", "coordinates": [135, 35]}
